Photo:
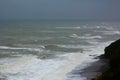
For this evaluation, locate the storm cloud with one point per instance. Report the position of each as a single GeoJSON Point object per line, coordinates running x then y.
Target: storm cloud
{"type": "Point", "coordinates": [60, 9]}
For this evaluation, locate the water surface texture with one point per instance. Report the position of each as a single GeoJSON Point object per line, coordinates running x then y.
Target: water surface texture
{"type": "Point", "coordinates": [48, 50]}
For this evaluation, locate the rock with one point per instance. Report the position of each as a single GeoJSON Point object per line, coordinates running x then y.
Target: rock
{"type": "Point", "coordinates": [112, 48]}
{"type": "Point", "coordinates": [112, 53]}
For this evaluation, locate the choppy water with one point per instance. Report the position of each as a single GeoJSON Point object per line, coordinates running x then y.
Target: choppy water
{"type": "Point", "coordinates": [36, 50]}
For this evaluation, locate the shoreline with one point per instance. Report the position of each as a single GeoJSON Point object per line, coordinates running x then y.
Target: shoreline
{"type": "Point", "coordinates": [112, 54]}
{"type": "Point", "coordinates": [91, 67]}
{"type": "Point", "coordinates": [95, 69]}
{"type": "Point", "coordinates": [62, 72]}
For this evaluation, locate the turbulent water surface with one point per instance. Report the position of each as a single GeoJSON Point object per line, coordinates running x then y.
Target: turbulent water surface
{"type": "Point", "coordinates": [49, 50]}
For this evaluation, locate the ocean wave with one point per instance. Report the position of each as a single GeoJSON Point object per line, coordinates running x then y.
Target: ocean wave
{"type": "Point", "coordinates": [62, 48]}
{"type": "Point", "coordinates": [16, 48]}
{"type": "Point", "coordinates": [85, 37]}
{"type": "Point", "coordinates": [76, 46]}
{"type": "Point", "coordinates": [108, 28]}
{"type": "Point", "coordinates": [30, 68]}
{"type": "Point", "coordinates": [81, 47]}
{"type": "Point", "coordinates": [98, 27]}
{"type": "Point", "coordinates": [109, 32]}
{"type": "Point", "coordinates": [70, 46]}
{"type": "Point", "coordinates": [91, 37]}
{"type": "Point", "coordinates": [90, 27]}
{"type": "Point", "coordinates": [48, 31]}
{"type": "Point", "coordinates": [93, 42]}
{"type": "Point", "coordinates": [69, 27]}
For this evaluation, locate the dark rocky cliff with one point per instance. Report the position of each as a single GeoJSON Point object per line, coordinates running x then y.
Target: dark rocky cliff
{"type": "Point", "coordinates": [112, 53]}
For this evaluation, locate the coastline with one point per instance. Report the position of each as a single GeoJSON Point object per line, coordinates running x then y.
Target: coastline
{"type": "Point", "coordinates": [108, 65]}
{"type": "Point", "coordinates": [95, 69]}
{"type": "Point", "coordinates": [63, 71]}
{"type": "Point", "coordinates": [112, 54]}
{"type": "Point", "coordinates": [92, 66]}
{"type": "Point", "coordinates": [92, 69]}
{"type": "Point", "coordinates": [86, 69]}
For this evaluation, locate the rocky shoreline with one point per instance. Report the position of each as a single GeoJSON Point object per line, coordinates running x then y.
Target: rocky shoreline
{"type": "Point", "coordinates": [95, 69]}
{"type": "Point", "coordinates": [112, 54]}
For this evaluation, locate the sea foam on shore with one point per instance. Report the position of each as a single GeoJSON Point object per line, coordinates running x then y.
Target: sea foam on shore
{"type": "Point", "coordinates": [31, 68]}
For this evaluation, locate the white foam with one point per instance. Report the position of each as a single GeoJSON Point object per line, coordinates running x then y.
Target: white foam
{"type": "Point", "coordinates": [108, 27]}
{"type": "Point", "coordinates": [29, 67]}
{"type": "Point", "coordinates": [91, 37]}
{"type": "Point", "coordinates": [15, 48]}
{"type": "Point", "coordinates": [98, 27]}
{"type": "Point", "coordinates": [86, 36]}
{"type": "Point", "coordinates": [74, 36]}
{"type": "Point", "coordinates": [12, 65]}
{"type": "Point", "coordinates": [110, 32]}
{"type": "Point", "coordinates": [75, 46]}
{"type": "Point", "coordinates": [78, 27]}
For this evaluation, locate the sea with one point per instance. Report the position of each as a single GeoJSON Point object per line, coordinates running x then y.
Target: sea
{"type": "Point", "coordinates": [51, 49]}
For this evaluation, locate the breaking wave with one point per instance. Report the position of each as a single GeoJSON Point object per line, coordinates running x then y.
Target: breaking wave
{"type": "Point", "coordinates": [69, 27]}
{"type": "Point", "coordinates": [15, 48]}
{"type": "Point", "coordinates": [85, 37]}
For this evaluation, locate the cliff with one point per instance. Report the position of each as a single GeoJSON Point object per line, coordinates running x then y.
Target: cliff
{"type": "Point", "coordinates": [112, 53]}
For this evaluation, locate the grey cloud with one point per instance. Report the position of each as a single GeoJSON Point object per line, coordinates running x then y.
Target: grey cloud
{"type": "Point", "coordinates": [59, 9]}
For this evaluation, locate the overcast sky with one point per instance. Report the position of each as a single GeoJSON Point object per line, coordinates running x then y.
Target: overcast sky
{"type": "Point", "coordinates": [60, 9]}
